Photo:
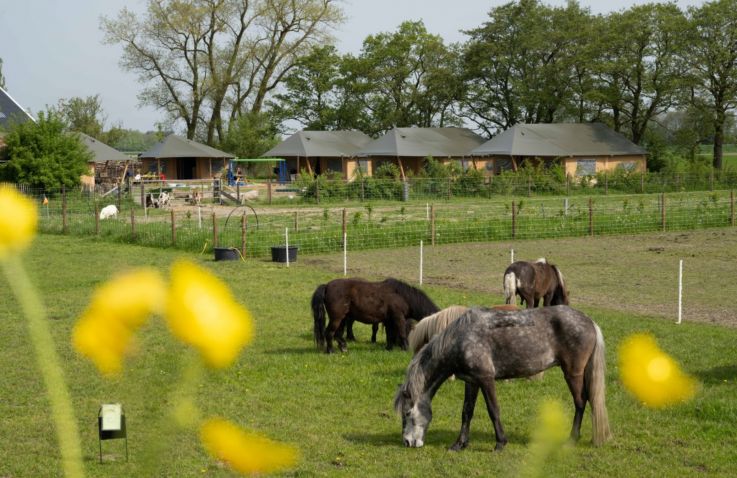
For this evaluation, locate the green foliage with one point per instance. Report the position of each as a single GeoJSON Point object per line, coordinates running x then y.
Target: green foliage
{"type": "Point", "coordinates": [250, 136]}
{"type": "Point", "coordinates": [83, 115]}
{"type": "Point", "coordinates": [43, 155]}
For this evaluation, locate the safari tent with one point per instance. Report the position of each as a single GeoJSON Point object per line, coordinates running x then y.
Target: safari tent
{"type": "Point", "coordinates": [180, 158]}
{"type": "Point", "coordinates": [582, 149]}
{"type": "Point", "coordinates": [317, 152]}
{"type": "Point", "coordinates": [408, 148]}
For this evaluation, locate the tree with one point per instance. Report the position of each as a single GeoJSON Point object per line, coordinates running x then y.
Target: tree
{"type": "Point", "coordinates": [519, 65]}
{"type": "Point", "coordinates": [2, 78]}
{"type": "Point", "coordinates": [206, 60]}
{"type": "Point", "coordinates": [712, 54]}
{"type": "Point", "coordinates": [43, 155]}
{"type": "Point", "coordinates": [640, 68]}
{"type": "Point", "coordinates": [83, 115]}
{"type": "Point", "coordinates": [251, 135]}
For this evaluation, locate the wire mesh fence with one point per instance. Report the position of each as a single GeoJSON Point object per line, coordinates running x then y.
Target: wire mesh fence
{"type": "Point", "coordinates": [321, 229]}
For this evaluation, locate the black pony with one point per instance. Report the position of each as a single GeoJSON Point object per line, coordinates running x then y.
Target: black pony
{"type": "Point", "coordinates": [533, 281]}
{"type": "Point", "coordinates": [391, 302]}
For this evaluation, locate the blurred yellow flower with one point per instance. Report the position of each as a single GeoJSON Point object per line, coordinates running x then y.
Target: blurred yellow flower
{"type": "Point", "coordinates": [18, 220]}
{"type": "Point", "coordinates": [202, 312]}
{"type": "Point", "coordinates": [651, 375]}
{"type": "Point", "coordinates": [549, 439]}
{"type": "Point", "coordinates": [118, 307]}
{"type": "Point", "coordinates": [245, 452]}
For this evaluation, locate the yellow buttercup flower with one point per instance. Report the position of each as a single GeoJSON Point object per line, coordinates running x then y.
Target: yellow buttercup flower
{"type": "Point", "coordinates": [120, 306]}
{"type": "Point", "coordinates": [18, 220]}
{"type": "Point", "coordinates": [202, 312]}
{"type": "Point", "coordinates": [245, 452]}
{"type": "Point", "coordinates": [549, 439]}
{"type": "Point", "coordinates": [652, 375]}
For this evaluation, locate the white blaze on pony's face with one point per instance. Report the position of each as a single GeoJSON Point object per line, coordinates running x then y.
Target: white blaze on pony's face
{"type": "Point", "coordinates": [416, 417]}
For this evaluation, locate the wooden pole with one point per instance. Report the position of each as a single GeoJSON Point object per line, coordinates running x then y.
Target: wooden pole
{"type": "Point", "coordinates": [268, 190]}
{"type": "Point", "coordinates": [662, 210]}
{"type": "Point", "coordinates": [120, 185]}
{"type": "Point", "coordinates": [214, 230]}
{"type": "Point", "coordinates": [432, 225]}
{"type": "Point", "coordinates": [63, 209]}
{"type": "Point", "coordinates": [514, 221]}
{"type": "Point", "coordinates": [143, 196]}
{"type": "Point", "coordinates": [731, 207]}
{"type": "Point", "coordinates": [317, 190]}
{"type": "Point", "coordinates": [296, 222]}
{"type": "Point", "coordinates": [591, 217]}
{"type": "Point", "coordinates": [97, 221]}
{"type": "Point", "coordinates": [606, 183]}
{"type": "Point", "coordinates": [362, 189]}
{"type": "Point", "coordinates": [238, 191]}
{"type": "Point", "coordinates": [133, 224]}
{"type": "Point", "coordinates": [244, 234]}
{"type": "Point", "coordinates": [173, 229]}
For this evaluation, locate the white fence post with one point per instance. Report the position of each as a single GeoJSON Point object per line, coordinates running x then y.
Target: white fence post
{"type": "Point", "coordinates": [421, 260]}
{"type": "Point", "coordinates": [511, 256]}
{"type": "Point", "coordinates": [680, 290]}
{"type": "Point", "coordinates": [286, 239]}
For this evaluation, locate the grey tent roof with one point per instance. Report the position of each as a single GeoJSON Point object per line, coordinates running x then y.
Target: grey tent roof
{"type": "Point", "coordinates": [422, 142]}
{"type": "Point", "coordinates": [11, 111]}
{"type": "Point", "coordinates": [100, 151]}
{"type": "Point", "coordinates": [560, 139]}
{"type": "Point", "coordinates": [174, 146]}
{"type": "Point", "coordinates": [310, 144]}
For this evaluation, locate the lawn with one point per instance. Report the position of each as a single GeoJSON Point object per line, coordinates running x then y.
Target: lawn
{"type": "Point", "coordinates": [338, 409]}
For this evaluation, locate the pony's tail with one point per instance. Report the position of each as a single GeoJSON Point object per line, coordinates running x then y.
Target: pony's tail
{"type": "Point", "coordinates": [595, 387]}
{"type": "Point", "coordinates": [318, 313]}
{"type": "Point", "coordinates": [510, 288]}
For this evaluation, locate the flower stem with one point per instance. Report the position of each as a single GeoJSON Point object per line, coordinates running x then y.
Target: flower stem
{"type": "Point", "coordinates": [48, 362]}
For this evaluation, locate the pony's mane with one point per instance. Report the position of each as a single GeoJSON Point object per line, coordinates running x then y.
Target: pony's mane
{"type": "Point", "coordinates": [541, 260]}
{"type": "Point", "coordinates": [561, 291]}
{"type": "Point", "coordinates": [419, 303]}
{"type": "Point", "coordinates": [432, 325]}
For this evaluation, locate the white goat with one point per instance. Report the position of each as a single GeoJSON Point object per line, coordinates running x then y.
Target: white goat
{"type": "Point", "coordinates": [108, 212]}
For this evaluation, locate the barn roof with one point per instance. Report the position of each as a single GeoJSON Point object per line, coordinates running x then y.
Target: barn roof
{"type": "Point", "coordinates": [310, 144]}
{"type": "Point", "coordinates": [423, 142]}
{"type": "Point", "coordinates": [100, 151]}
{"type": "Point", "coordinates": [11, 111]}
{"type": "Point", "coordinates": [174, 146]}
{"type": "Point", "coordinates": [559, 139]}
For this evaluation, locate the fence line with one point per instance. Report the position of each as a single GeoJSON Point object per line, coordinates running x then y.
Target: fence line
{"type": "Point", "coordinates": [323, 230]}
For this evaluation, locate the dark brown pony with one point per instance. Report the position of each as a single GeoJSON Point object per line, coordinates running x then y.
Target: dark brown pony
{"type": "Point", "coordinates": [533, 281]}
{"type": "Point", "coordinates": [391, 302]}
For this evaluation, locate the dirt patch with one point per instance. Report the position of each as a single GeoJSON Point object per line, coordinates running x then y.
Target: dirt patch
{"type": "Point", "coordinates": [637, 274]}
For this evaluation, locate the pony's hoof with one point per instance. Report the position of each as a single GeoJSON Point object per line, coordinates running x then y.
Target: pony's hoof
{"type": "Point", "coordinates": [458, 446]}
{"type": "Point", "coordinates": [499, 446]}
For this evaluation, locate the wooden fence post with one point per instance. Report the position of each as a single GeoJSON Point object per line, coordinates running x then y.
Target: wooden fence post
{"type": "Point", "coordinates": [214, 230]}
{"type": "Point", "coordinates": [731, 207]}
{"type": "Point", "coordinates": [133, 224]}
{"type": "Point", "coordinates": [296, 222]}
{"type": "Point", "coordinates": [591, 217]}
{"type": "Point", "coordinates": [268, 190]}
{"type": "Point", "coordinates": [514, 221]}
{"type": "Point", "coordinates": [120, 185]}
{"type": "Point", "coordinates": [642, 182]}
{"type": "Point", "coordinates": [432, 225]}
{"type": "Point", "coordinates": [63, 209]}
{"type": "Point", "coordinates": [662, 210]}
{"type": "Point", "coordinates": [97, 221]}
{"type": "Point", "coordinates": [317, 190]}
{"type": "Point", "coordinates": [143, 196]}
{"type": "Point", "coordinates": [173, 229]}
{"type": "Point", "coordinates": [606, 183]}
{"type": "Point", "coordinates": [363, 193]}
{"type": "Point", "coordinates": [244, 235]}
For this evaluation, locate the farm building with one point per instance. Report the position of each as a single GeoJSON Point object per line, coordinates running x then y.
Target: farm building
{"type": "Point", "coordinates": [10, 112]}
{"type": "Point", "coordinates": [107, 164]}
{"type": "Point", "coordinates": [409, 147]}
{"type": "Point", "coordinates": [317, 152]}
{"type": "Point", "coordinates": [582, 149]}
{"type": "Point", "coordinates": [180, 158]}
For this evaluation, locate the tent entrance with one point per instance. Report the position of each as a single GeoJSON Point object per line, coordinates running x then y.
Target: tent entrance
{"type": "Point", "coordinates": [186, 168]}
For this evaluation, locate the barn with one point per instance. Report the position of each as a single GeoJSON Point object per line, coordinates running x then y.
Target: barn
{"type": "Point", "coordinates": [180, 158]}
{"type": "Point", "coordinates": [408, 148]}
{"type": "Point", "coordinates": [108, 165]}
{"type": "Point", "coordinates": [317, 152]}
{"type": "Point", "coordinates": [582, 149]}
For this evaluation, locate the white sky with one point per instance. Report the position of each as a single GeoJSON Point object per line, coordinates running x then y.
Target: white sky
{"type": "Point", "coordinates": [53, 49]}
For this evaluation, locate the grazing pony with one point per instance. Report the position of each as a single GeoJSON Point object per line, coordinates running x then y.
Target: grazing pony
{"type": "Point", "coordinates": [533, 281]}
{"type": "Point", "coordinates": [390, 301]}
{"type": "Point", "coordinates": [484, 345]}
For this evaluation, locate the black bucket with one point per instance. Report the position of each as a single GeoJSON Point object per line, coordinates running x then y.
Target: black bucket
{"type": "Point", "coordinates": [279, 254]}
{"type": "Point", "coordinates": [226, 254]}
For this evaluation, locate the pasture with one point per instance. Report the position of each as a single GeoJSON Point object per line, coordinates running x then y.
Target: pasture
{"type": "Point", "coordinates": [338, 408]}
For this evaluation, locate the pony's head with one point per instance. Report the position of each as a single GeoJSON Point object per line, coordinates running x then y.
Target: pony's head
{"type": "Point", "coordinates": [416, 416]}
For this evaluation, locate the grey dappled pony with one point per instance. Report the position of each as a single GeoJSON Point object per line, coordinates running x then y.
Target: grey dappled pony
{"type": "Point", "coordinates": [486, 344]}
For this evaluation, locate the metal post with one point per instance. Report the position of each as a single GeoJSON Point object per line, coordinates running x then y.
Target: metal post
{"type": "Point", "coordinates": [432, 225]}
{"type": "Point", "coordinates": [514, 221]}
{"type": "Point", "coordinates": [345, 225]}
{"type": "Point", "coordinates": [421, 261]}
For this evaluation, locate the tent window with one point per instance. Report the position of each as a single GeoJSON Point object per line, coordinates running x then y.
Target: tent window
{"type": "Point", "coordinates": [628, 166]}
{"type": "Point", "coordinates": [363, 165]}
{"type": "Point", "coordinates": [335, 164]}
{"type": "Point", "coordinates": [585, 167]}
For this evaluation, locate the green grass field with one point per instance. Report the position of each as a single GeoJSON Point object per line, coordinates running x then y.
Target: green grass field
{"type": "Point", "coordinates": [338, 409]}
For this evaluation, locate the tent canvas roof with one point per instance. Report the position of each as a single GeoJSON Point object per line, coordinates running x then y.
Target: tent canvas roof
{"type": "Point", "coordinates": [11, 111]}
{"type": "Point", "coordinates": [561, 139]}
{"type": "Point", "coordinates": [310, 144]}
{"type": "Point", "coordinates": [174, 146]}
{"type": "Point", "coordinates": [100, 151]}
{"type": "Point", "coordinates": [422, 142]}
